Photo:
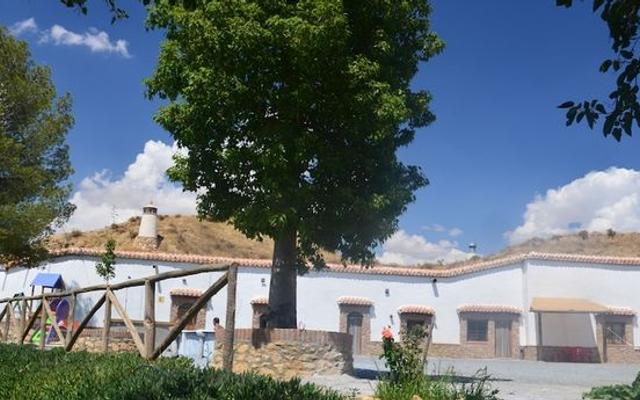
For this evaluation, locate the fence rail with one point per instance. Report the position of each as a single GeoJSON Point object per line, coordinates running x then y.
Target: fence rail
{"type": "Point", "coordinates": [146, 345]}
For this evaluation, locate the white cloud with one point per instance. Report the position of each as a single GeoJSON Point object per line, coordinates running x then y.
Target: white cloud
{"type": "Point", "coordinates": [405, 249]}
{"type": "Point", "coordinates": [27, 26]}
{"type": "Point", "coordinates": [595, 202]}
{"type": "Point", "coordinates": [454, 232]}
{"type": "Point", "coordinates": [144, 180]}
{"type": "Point", "coordinates": [97, 41]}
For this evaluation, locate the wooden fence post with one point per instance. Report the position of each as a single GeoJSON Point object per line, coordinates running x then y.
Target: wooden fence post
{"type": "Point", "coordinates": [23, 317]}
{"type": "Point", "coordinates": [7, 322]}
{"type": "Point", "coordinates": [70, 318]}
{"type": "Point", "coordinates": [107, 322]}
{"type": "Point", "coordinates": [230, 324]}
{"type": "Point", "coordinates": [43, 322]}
{"type": "Point", "coordinates": [149, 319]}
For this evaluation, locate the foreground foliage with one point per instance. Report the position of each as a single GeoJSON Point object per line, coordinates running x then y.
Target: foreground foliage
{"type": "Point", "coordinates": [29, 374]}
{"type": "Point", "coordinates": [407, 379]}
{"type": "Point", "coordinates": [615, 392]}
{"type": "Point", "coordinates": [34, 158]}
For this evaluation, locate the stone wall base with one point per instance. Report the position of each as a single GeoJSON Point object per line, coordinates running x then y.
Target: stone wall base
{"type": "Point", "coordinates": [288, 353]}
{"type": "Point", "coordinates": [94, 345]}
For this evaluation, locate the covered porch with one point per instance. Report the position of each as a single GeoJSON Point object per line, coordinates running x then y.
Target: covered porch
{"type": "Point", "coordinates": [570, 330]}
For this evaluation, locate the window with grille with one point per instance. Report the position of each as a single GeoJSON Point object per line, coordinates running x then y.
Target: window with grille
{"type": "Point", "coordinates": [615, 332]}
{"type": "Point", "coordinates": [477, 330]}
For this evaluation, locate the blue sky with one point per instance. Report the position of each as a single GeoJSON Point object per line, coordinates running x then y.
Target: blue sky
{"type": "Point", "coordinates": [498, 142]}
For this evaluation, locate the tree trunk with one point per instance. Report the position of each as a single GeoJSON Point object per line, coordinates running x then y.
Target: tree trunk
{"type": "Point", "coordinates": [282, 289]}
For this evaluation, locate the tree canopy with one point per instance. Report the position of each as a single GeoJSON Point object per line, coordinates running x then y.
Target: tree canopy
{"type": "Point", "coordinates": [621, 109]}
{"type": "Point", "coordinates": [34, 160]}
{"type": "Point", "coordinates": [290, 115]}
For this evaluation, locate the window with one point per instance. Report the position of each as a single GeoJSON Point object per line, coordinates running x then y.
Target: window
{"type": "Point", "coordinates": [615, 332]}
{"type": "Point", "coordinates": [477, 330]}
{"type": "Point", "coordinates": [416, 327]}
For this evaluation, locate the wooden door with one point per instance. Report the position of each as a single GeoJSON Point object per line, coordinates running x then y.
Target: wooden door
{"type": "Point", "coordinates": [503, 338]}
{"type": "Point", "coordinates": [182, 310]}
{"type": "Point", "coordinates": [354, 328]}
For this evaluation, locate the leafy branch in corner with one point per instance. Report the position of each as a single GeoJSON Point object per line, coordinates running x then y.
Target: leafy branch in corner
{"type": "Point", "coordinates": [622, 109]}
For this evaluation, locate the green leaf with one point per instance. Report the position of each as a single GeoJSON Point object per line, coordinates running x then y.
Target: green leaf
{"type": "Point", "coordinates": [566, 104]}
{"type": "Point", "coordinates": [616, 65]}
{"type": "Point", "coordinates": [617, 133]}
{"type": "Point", "coordinates": [608, 124]}
{"type": "Point", "coordinates": [600, 108]}
{"type": "Point", "coordinates": [571, 115]}
{"type": "Point", "coordinates": [604, 67]}
{"type": "Point", "coordinates": [627, 120]}
{"type": "Point", "coordinates": [626, 54]}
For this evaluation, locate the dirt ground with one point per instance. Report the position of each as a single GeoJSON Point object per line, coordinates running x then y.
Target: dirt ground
{"type": "Point", "coordinates": [516, 380]}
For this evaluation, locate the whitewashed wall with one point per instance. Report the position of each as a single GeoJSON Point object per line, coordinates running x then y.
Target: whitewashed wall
{"type": "Point", "coordinates": [80, 272]}
{"type": "Point", "coordinates": [513, 285]}
{"type": "Point", "coordinates": [610, 285]}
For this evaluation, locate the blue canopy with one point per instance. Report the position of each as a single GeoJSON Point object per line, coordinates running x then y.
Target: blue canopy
{"type": "Point", "coordinates": [48, 280]}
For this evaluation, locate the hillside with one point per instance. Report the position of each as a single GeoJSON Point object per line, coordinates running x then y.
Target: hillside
{"type": "Point", "coordinates": [591, 243]}
{"type": "Point", "coordinates": [186, 234]}
{"type": "Point", "coordinates": [180, 234]}
{"type": "Point", "coordinates": [585, 243]}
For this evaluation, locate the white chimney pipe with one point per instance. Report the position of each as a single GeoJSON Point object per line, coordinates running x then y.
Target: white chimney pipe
{"type": "Point", "coordinates": [148, 231]}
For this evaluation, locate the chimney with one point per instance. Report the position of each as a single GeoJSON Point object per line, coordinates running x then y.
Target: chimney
{"type": "Point", "coordinates": [473, 247]}
{"type": "Point", "coordinates": [148, 232]}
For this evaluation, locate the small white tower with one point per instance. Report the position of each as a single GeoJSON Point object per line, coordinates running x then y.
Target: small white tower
{"type": "Point", "coordinates": [148, 231]}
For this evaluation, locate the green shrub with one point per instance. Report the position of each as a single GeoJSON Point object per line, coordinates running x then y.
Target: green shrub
{"type": "Point", "coordinates": [407, 379]}
{"type": "Point", "coordinates": [27, 373]}
{"type": "Point", "coordinates": [615, 392]}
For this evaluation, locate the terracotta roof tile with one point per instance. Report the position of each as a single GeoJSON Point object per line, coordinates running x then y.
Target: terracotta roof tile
{"type": "Point", "coordinates": [260, 300]}
{"type": "Point", "coordinates": [489, 308]}
{"type": "Point", "coordinates": [622, 311]}
{"type": "Point", "coordinates": [184, 291]}
{"type": "Point", "coordinates": [470, 268]}
{"type": "Point", "coordinates": [415, 309]}
{"type": "Point", "coordinates": [355, 301]}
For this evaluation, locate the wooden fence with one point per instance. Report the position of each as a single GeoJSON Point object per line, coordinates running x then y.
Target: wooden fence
{"type": "Point", "coordinates": [147, 345]}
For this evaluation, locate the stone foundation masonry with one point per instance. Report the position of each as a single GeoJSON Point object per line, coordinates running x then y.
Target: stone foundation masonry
{"type": "Point", "coordinates": [288, 353]}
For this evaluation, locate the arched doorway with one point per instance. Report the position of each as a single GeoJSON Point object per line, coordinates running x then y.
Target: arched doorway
{"type": "Point", "coordinates": [354, 328]}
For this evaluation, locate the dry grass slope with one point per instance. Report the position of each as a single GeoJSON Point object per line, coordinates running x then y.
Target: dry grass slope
{"type": "Point", "coordinates": [180, 234]}
{"type": "Point", "coordinates": [587, 243]}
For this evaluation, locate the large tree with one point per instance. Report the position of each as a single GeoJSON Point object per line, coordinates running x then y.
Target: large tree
{"type": "Point", "coordinates": [622, 109]}
{"type": "Point", "coordinates": [290, 114]}
{"type": "Point", "coordinates": [34, 161]}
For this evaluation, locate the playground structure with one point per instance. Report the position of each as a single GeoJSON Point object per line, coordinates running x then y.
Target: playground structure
{"type": "Point", "coordinates": [57, 309]}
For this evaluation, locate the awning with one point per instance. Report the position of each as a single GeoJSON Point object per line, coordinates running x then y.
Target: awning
{"type": "Point", "coordinates": [48, 280]}
{"type": "Point", "coordinates": [566, 305]}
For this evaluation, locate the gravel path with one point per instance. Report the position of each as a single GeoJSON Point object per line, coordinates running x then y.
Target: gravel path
{"type": "Point", "coordinates": [516, 379]}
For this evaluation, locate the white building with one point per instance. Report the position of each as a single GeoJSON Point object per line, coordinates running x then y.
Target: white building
{"type": "Point", "coordinates": [545, 306]}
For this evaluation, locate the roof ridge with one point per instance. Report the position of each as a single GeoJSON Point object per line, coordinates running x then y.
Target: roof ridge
{"type": "Point", "coordinates": [467, 268]}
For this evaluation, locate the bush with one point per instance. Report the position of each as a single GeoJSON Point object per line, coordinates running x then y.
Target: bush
{"type": "Point", "coordinates": [406, 378]}
{"type": "Point", "coordinates": [615, 392]}
{"type": "Point", "coordinates": [30, 374]}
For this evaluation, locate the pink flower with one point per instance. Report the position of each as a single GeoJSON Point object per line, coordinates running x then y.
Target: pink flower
{"type": "Point", "coordinates": [387, 333]}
